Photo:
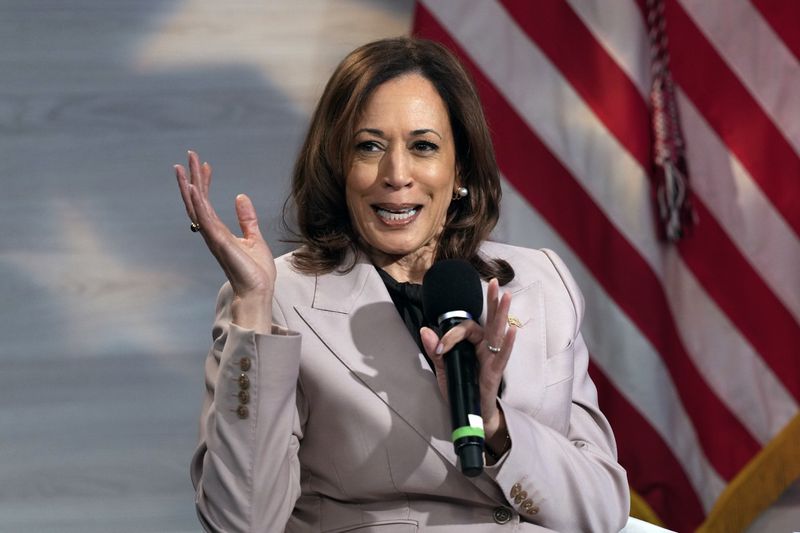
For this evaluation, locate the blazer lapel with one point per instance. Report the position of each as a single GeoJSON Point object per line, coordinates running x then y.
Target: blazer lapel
{"type": "Point", "coordinates": [524, 374]}
{"type": "Point", "coordinates": [355, 317]}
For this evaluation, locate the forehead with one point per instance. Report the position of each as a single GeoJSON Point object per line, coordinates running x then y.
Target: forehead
{"type": "Point", "coordinates": [408, 98]}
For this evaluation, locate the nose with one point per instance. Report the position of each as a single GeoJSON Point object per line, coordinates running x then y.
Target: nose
{"type": "Point", "coordinates": [395, 168]}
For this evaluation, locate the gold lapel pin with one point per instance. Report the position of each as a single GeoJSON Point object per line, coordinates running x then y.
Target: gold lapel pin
{"type": "Point", "coordinates": [514, 321]}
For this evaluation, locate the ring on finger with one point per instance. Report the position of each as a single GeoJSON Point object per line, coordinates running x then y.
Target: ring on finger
{"type": "Point", "coordinates": [493, 349]}
{"type": "Point", "coordinates": [195, 227]}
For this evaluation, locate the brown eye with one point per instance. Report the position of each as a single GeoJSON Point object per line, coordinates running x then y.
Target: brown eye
{"type": "Point", "coordinates": [425, 146]}
{"type": "Point", "coordinates": [368, 146]}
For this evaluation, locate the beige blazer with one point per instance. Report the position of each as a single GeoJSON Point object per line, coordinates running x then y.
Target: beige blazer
{"type": "Point", "coordinates": [344, 428]}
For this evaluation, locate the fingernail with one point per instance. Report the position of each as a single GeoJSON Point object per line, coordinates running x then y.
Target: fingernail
{"type": "Point", "coordinates": [439, 348]}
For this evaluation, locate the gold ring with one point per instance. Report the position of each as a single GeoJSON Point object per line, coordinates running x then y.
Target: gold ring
{"type": "Point", "coordinates": [493, 349]}
{"type": "Point", "coordinates": [195, 227]}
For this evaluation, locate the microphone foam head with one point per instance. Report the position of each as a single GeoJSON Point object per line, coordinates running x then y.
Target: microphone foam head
{"type": "Point", "coordinates": [451, 285]}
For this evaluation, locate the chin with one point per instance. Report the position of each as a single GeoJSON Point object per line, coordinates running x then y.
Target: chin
{"type": "Point", "coordinates": [399, 249]}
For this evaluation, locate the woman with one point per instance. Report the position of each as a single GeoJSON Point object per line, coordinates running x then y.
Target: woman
{"type": "Point", "coordinates": [321, 413]}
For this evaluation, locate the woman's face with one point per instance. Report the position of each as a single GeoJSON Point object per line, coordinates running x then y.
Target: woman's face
{"type": "Point", "coordinates": [403, 171]}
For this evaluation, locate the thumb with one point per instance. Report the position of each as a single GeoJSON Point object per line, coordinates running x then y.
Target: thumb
{"type": "Point", "coordinates": [246, 213]}
{"type": "Point", "coordinates": [430, 340]}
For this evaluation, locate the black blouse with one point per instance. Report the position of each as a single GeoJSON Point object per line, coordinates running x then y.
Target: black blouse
{"type": "Point", "coordinates": [407, 298]}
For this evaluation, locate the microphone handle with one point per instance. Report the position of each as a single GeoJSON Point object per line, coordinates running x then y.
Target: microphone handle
{"type": "Point", "coordinates": [465, 411]}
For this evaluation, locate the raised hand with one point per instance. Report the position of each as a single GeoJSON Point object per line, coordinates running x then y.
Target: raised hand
{"type": "Point", "coordinates": [247, 260]}
{"type": "Point", "coordinates": [493, 344]}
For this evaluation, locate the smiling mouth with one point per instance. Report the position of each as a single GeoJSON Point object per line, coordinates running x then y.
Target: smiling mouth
{"type": "Point", "coordinates": [393, 215]}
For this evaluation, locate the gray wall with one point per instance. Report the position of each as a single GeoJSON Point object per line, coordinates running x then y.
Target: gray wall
{"type": "Point", "coordinates": [107, 296]}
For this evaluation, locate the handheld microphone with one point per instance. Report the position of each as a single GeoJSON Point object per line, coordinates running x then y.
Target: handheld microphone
{"type": "Point", "coordinates": [451, 293]}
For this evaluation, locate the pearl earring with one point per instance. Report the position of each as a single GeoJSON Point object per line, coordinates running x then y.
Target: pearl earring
{"type": "Point", "coordinates": [461, 192]}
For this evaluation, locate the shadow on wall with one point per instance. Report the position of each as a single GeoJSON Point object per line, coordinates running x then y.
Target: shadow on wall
{"type": "Point", "coordinates": [109, 296]}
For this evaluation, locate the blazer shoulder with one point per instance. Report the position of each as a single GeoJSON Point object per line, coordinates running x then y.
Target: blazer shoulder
{"type": "Point", "coordinates": [291, 285]}
{"type": "Point", "coordinates": [543, 265]}
{"type": "Point", "coordinates": [512, 253]}
{"type": "Point", "coordinates": [529, 264]}
{"type": "Point", "coordinates": [286, 275]}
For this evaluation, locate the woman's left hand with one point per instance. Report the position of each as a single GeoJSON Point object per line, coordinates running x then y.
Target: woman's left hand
{"type": "Point", "coordinates": [495, 334]}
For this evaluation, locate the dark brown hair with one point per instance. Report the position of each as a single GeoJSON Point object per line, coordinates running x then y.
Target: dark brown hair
{"type": "Point", "coordinates": [318, 184]}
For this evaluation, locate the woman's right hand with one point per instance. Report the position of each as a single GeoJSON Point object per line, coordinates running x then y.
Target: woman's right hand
{"type": "Point", "coordinates": [247, 260]}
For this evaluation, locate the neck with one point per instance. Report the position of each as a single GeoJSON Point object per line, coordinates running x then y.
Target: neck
{"type": "Point", "coordinates": [404, 268]}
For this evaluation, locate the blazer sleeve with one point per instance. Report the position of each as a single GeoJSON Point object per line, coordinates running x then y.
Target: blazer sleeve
{"type": "Point", "coordinates": [245, 469]}
{"type": "Point", "coordinates": [572, 479]}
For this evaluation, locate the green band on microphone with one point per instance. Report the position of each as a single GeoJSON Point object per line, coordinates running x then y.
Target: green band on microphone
{"type": "Point", "coordinates": [467, 431]}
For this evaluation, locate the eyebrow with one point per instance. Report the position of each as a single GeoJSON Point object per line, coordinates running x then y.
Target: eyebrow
{"type": "Point", "coordinates": [414, 133]}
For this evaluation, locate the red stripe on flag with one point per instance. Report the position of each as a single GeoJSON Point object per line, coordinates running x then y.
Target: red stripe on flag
{"type": "Point", "coordinates": [590, 70]}
{"type": "Point", "coordinates": [652, 469]}
{"type": "Point", "coordinates": [744, 296]}
{"type": "Point", "coordinates": [734, 114]}
{"type": "Point", "coordinates": [605, 87]}
{"type": "Point", "coordinates": [784, 18]}
{"type": "Point", "coordinates": [613, 261]}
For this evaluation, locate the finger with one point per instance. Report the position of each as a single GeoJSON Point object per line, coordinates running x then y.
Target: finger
{"type": "Point", "coordinates": [499, 362]}
{"type": "Point", "coordinates": [205, 171]}
{"type": "Point", "coordinates": [201, 180]}
{"type": "Point", "coordinates": [468, 330]}
{"type": "Point", "coordinates": [493, 365]}
{"type": "Point", "coordinates": [219, 239]}
{"type": "Point", "coordinates": [429, 341]}
{"type": "Point", "coordinates": [491, 299]}
{"type": "Point", "coordinates": [183, 187]}
{"type": "Point", "coordinates": [496, 326]}
{"type": "Point", "coordinates": [223, 244]}
{"type": "Point", "coordinates": [248, 221]}
{"type": "Point", "coordinates": [212, 228]}
{"type": "Point", "coordinates": [196, 176]}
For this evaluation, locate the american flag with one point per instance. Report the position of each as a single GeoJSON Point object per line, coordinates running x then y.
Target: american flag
{"type": "Point", "coordinates": [695, 344]}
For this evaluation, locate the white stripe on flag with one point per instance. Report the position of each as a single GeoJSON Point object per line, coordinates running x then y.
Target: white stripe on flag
{"type": "Point", "coordinates": [620, 187]}
{"type": "Point", "coordinates": [628, 359]}
{"type": "Point", "coordinates": [727, 361]}
{"type": "Point", "coordinates": [621, 32]}
{"type": "Point", "coordinates": [757, 56]}
{"type": "Point", "coordinates": [746, 215]}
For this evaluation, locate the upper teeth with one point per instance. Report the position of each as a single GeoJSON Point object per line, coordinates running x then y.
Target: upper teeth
{"type": "Point", "coordinates": [397, 215]}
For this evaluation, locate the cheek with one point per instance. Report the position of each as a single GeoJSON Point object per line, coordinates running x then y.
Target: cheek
{"type": "Point", "coordinates": [357, 207]}
{"type": "Point", "coordinates": [359, 181]}
{"type": "Point", "coordinates": [441, 208]}
{"type": "Point", "coordinates": [443, 195]}
{"type": "Point", "coordinates": [352, 207]}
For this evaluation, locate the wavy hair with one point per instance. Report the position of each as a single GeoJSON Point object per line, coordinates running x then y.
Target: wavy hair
{"type": "Point", "coordinates": [317, 196]}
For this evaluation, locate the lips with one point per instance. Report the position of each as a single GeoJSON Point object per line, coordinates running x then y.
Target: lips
{"type": "Point", "coordinates": [397, 214]}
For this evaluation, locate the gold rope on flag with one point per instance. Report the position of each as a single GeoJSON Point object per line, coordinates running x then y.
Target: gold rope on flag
{"type": "Point", "coordinates": [669, 174]}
